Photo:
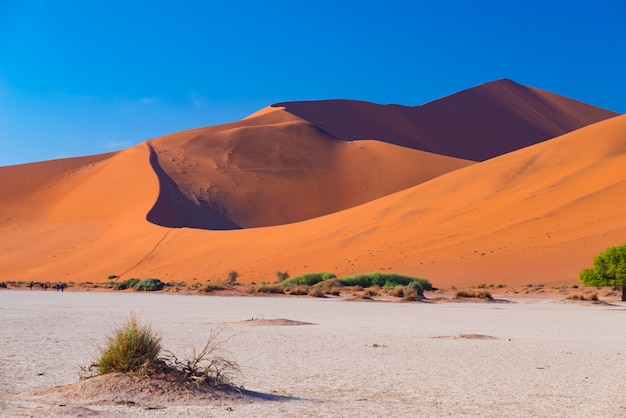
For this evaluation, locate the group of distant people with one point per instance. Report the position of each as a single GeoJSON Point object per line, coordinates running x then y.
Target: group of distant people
{"type": "Point", "coordinates": [60, 287]}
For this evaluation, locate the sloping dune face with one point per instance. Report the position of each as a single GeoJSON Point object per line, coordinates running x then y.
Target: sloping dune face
{"type": "Point", "coordinates": [475, 124]}
{"type": "Point", "coordinates": [275, 168]}
{"type": "Point", "coordinates": [535, 215]}
{"type": "Point", "coordinates": [67, 219]}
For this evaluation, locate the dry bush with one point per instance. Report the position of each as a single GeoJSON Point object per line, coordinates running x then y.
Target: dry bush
{"type": "Point", "coordinates": [330, 287]}
{"type": "Point", "coordinates": [212, 285]}
{"type": "Point", "coordinates": [397, 291]}
{"type": "Point", "coordinates": [479, 294]}
{"type": "Point", "coordinates": [273, 288]}
{"type": "Point", "coordinates": [576, 297]}
{"type": "Point", "coordinates": [411, 295]}
{"type": "Point", "coordinates": [281, 276]}
{"type": "Point", "coordinates": [315, 292]}
{"type": "Point", "coordinates": [372, 291]}
{"type": "Point", "coordinates": [136, 349]}
{"type": "Point", "coordinates": [294, 289]}
{"type": "Point", "coordinates": [207, 367]}
{"type": "Point", "coordinates": [593, 296]}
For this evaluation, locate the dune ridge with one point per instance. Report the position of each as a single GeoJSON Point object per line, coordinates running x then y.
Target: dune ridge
{"type": "Point", "coordinates": [280, 191]}
{"type": "Point", "coordinates": [475, 124]}
{"type": "Point", "coordinates": [261, 171]}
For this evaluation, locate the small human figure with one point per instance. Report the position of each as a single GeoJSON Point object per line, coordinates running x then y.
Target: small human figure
{"type": "Point", "coordinates": [45, 286]}
{"type": "Point", "coordinates": [58, 286]}
{"type": "Point", "coordinates": [62, 287]}
{"type": "Point", "coordinates": [30, 285]}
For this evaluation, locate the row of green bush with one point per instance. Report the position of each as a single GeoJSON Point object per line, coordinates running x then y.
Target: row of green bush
{"type": "Point", "coordinates": [149, 284]}
{"type": "Point", "coordinates": [384, 280]}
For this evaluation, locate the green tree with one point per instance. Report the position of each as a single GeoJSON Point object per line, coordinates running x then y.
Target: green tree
{"type": "Point", "coordinates": [609, 269]}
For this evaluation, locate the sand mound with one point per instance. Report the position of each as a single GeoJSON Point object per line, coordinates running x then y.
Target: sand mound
{"type": "Point", "coordinates": [118, 393]}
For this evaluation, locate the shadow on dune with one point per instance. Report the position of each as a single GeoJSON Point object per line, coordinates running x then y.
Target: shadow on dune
{"type": "Point", "coordinates": [476, 124]}
{"type": "Point", "coordinates": [173, 210]}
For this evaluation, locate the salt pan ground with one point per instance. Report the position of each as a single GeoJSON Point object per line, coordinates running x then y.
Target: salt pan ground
{"type": "Point", "coordinates": [525, 357]}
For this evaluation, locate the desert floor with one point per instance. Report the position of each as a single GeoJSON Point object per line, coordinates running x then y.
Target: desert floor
{"type": "Point", "coordinates": [525, 357]}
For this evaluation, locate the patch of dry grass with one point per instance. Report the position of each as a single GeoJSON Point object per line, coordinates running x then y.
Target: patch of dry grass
{"type": "Point", "coordinates": [470, 293]}
{"type": "Point", "coordinates": [273, 288]}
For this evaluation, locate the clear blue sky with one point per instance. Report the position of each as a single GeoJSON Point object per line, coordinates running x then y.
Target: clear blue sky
{"type": "Point", "coordinates": [86, 77]}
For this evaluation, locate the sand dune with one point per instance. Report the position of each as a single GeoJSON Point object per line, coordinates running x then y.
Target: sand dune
{"type": "Point", "coordinates": [536, 215]}
{"type": "Point", "coordinates": [296, 195]}
{"type": "Point", "coordinates": [274, 169]}
{"type": "Point", "coordinates": [475, 124]}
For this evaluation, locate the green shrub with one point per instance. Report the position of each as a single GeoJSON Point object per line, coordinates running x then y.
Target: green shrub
{"type": "Point", "coordinates": [132, 348]}
{"type": "Point", "coordinates": [308, 279]}
{"type": "Point", "coordinates": [609, 269]}
{"type": "Point", "coordinates": [149, 284]}
{"type": "Point", "coordinates": [112, 276]}
{"type": "Point", "coordinates": [387, 280]}
{"type": "Point", "coordinates": [126, 284]}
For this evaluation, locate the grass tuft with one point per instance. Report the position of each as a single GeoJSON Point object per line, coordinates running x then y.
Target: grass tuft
{"type": "Point", "coordinates": [131, 348]}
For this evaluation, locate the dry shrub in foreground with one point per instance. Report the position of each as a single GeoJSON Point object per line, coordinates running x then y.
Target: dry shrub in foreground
{"type": "Point", "coordinates": [136, 349]}
{"type": "Point", "coordinates": [131, 348]}
{"type": "Point", "coordinates": [207, 367]}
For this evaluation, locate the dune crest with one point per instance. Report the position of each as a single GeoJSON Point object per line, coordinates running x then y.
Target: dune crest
{"type": "Point", "coordinates": [475, 124]}
{"type": "Point", "coordinates": [275, 168]}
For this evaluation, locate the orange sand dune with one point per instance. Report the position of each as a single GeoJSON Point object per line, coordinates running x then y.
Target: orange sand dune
{"type": "Point", "coordinates": [274, 169]}
{"type": "Point", "coordinates": [475, 124]}
{"type": "Point", "coordinates": [535, 215]}
{"type": "Point", "coordinates": [292, 194]}
{"type": "Point", "coordinates": [78, 214]}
